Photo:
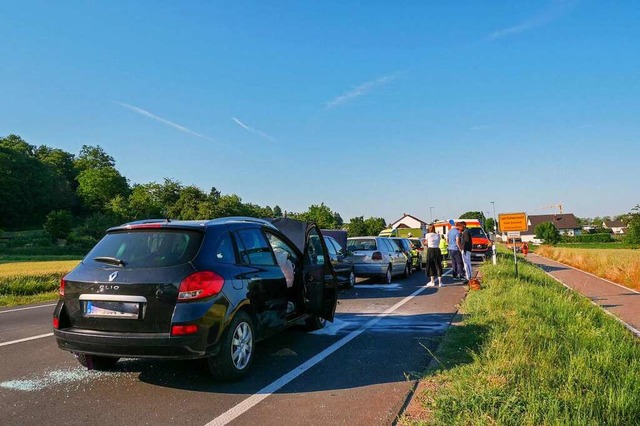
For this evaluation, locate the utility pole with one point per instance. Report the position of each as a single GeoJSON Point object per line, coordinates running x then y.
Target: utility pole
{"type": "Point", "coordinates": [495, 234]}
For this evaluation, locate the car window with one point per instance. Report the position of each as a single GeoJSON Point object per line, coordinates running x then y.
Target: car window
{"type": "Point", "coordinates": [148, 248]}
{"type": "Point", "coordinates": [330, 246]}
{"type": "Point", "coordinates": [361, 244]}
{"type": "Point", "coordinates": [387, 245]}
{"type": "Point", "coordinates": [254, 248]}
{"type": "Point", "coordinates": [223, 249]}
{"type": "Point", "coordinates": [314, 254]}
{"type": "Point", "coordinates": [416, 244]}
{"type": "Point", "coordinates": [277, 244]}
{"type": "Point", "coordinates": [336, 245]}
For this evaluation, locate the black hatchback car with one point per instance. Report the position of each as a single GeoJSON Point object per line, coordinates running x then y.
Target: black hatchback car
{"type": "Point", "coordinates": [194, 289]}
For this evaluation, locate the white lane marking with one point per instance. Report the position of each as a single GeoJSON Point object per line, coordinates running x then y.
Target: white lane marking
{"type": "Point", "coordinates": [244, 406]}
{"type": "Point", "coordinates": [26, 339]}
{"type": "Point", "coordinates": [588, 273]}
{"type": "Point", "coordinates": [24, 309]}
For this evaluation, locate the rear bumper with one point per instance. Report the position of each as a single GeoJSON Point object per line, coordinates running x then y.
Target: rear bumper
{"type": "Point", "coordinates": [370, 269]}
{"type": "Point", "coordinates": [133, 345]}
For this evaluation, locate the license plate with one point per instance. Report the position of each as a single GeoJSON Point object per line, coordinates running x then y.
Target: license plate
{"type": "Point", "coordinates": [108, 309]}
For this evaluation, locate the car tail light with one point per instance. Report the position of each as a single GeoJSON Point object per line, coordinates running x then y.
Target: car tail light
{"type": "Point", "coordinates": [56, 323]}
{"type": "Point", "coordinates": [200, 285]}
{"type": "Point", "coordinates": [376, 256]}
{"type": "Point", "coordinates": [62, 284]}
{"type": "Point", "coordinates": [182, 330]}
{"type": "Point", "coordinates": [146, 225]}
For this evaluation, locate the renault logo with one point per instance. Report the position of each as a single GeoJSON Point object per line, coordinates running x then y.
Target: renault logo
{"type": "Point", "coordinates": [113, 276]}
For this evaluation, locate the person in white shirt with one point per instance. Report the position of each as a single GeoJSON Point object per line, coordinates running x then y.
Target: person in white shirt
{"type": "Point", "coordinates": [434, 257]}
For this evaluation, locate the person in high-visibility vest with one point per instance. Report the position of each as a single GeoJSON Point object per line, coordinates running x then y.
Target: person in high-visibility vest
{"type": "Point", "coordinates": [444, 250]}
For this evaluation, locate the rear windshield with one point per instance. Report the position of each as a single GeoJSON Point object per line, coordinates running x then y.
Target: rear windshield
{"type": "Point", "coordinates": [147, 248]}
{"type": "Point", "coordinates": [361, 244]}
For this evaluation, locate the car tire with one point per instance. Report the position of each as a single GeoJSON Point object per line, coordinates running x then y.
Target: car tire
{"type": "Point", "coordinates": [407, 270]}
{"type": "Point", "coordinates": [236, 349]}
{"type": "Point", "coordinates": [314, 322]}
{"type": "Point", "coordinates": [95, 362]}
{"type": "Point", "coordinates": [352, 279]}
{"type": "Point", "coordinates": [387, 277]}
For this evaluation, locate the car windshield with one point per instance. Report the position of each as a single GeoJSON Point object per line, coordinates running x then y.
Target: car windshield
{"type": "Point", "coordinates": [477, 232]}
{"type": "Point", "coordinates": [146, 248]}
{"type": "Point", "coordinates": [415, 243]}
{"type": "Point", "coordinates": [361, 244]}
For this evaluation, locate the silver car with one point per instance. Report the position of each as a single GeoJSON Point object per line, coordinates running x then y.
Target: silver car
{"type": "Point", "coordinates": [377, 257]}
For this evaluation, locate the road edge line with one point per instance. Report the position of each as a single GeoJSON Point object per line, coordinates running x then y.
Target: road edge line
{"type": "Point", "coordinates": [24, 309]}
{"type": "Point", "coordinates": [250, 402]}
{"type": "Point", "coordinates": [26, 339]}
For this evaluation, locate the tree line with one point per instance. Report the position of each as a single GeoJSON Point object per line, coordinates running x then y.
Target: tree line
{"type": "Point", "coordinates": [82, 195]}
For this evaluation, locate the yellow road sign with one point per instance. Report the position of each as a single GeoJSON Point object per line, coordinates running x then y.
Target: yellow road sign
{"type": "Point", "coordinates": [512, 222]}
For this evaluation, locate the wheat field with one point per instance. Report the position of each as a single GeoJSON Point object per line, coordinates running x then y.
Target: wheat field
{"type": "Point", "coordinates": [618, 265]}
{"type": "Point", "coordinates": [36, 268]}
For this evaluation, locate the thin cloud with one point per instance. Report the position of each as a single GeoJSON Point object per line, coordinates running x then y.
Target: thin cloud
{"type": "Point", "coordinates": [481, 127]}
{"type": "Point", "coordinates": [360, 90]}
{"type": "Point", "coordinates": [163, 121]}
{"type": "Point", "coordinates": [553, 12]}
{"type": "Point", "coordinates": [252, 130]}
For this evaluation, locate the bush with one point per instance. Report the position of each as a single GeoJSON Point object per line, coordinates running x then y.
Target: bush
{"type": "Point", "coordinates": [95, 226]}
{"type": "Point", "coordinates": [589, 238]}
{"type": "Point", "coordinates": [547, 233]}
{"type": "Point", "coordinates": [58, 224]}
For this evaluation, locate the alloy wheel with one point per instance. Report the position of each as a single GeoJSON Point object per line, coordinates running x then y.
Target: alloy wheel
{"type": "Point", "coordinates": [242, 346]}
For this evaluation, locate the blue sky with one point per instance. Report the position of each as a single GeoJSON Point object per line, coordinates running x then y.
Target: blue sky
{"type": "Point", "coordinates": [376, 108]}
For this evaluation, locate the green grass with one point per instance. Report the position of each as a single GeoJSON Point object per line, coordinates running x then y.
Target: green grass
{"type": "Point", "coordinates": [531, 352]}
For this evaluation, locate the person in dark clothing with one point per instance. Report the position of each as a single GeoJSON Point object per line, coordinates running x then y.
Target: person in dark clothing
{"type": "Point", "coordinates": [465, 245]}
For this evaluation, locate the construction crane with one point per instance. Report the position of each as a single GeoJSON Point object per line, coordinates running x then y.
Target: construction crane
{"type": "Point", "coordinates": [552, 206]}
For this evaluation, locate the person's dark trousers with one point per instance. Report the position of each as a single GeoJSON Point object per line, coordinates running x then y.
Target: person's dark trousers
{"type": "Point", "coordinates": [457, 267]}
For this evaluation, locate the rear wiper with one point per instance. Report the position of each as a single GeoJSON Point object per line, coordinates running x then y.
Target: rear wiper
{"type": "Point", "coordinates": [111, 260]}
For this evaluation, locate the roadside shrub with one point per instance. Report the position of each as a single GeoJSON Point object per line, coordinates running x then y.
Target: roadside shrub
{"type": "Point", "coordinates": [589, 238]}
{"type": "Point", "coordinates": [95, 226]}
{"type": "Point", "coordinates": [58, 224]}
{"type": "Point", "coordinates": [547, 233]}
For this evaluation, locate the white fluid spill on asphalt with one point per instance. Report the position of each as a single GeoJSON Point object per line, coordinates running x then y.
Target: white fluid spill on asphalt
{"type": "Point", "coordinates": [53, 378]}
{"type": "Point", "coordinates": [386, 287]}
{"type": "Point", "coordinates": [331, 328]}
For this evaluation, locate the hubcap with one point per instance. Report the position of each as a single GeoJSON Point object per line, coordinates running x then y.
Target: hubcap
{"type": "Point", "coordinates": [241, 346]}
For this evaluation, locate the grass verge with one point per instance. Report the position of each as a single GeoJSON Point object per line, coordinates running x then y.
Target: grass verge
{"type": "Point", "coordinates": [531, 352]}
{"type": "Point", "coordinates": [620, 266]}
{"type": "Point", "coordinates": [31, 282]}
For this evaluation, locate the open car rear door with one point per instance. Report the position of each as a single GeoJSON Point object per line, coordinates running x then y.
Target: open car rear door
{"type": "Point", "coordinates": [319, 277]}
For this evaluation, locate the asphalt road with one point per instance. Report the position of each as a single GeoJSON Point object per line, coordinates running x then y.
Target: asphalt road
{"type": "Point", "coordinates": [356, 371]}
